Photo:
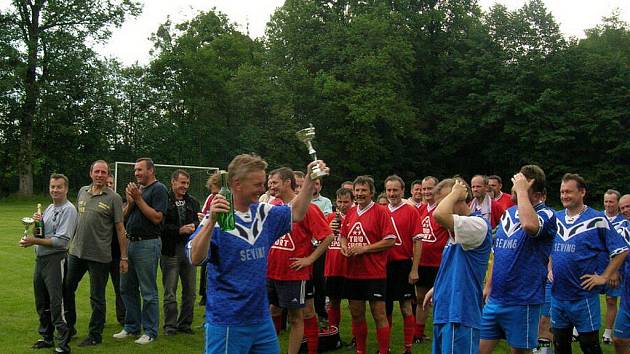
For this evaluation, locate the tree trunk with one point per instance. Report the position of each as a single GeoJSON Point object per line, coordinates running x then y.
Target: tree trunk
{"type": "Point", "coordinates": [29, 109]}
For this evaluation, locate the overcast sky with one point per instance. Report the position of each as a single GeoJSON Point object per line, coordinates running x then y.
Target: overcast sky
{"type": "Point", "coordinates": [130, 42]}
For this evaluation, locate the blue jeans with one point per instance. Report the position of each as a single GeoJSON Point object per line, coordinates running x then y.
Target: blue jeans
{"type": "Point", "coordinates": [174, 269]}
{"type": "Point", "coordinates": [141, 279]}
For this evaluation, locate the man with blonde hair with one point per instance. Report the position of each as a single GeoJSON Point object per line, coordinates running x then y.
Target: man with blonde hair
{"type": "Point", "coordinates": [237, 311]}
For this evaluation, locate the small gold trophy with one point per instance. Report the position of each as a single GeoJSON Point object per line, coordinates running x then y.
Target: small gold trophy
{"type": "Point", "coordinates": [306, 136]}
{"type": "Point", "coordinates": [27, 222]}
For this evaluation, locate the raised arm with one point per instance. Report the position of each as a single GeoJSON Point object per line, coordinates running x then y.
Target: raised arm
{"type": "Point", "coordinates": [303, 199]}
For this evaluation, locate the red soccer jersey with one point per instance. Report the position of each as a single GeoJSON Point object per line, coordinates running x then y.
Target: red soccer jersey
{"type": "Point", "coordinates": [335, 261]}
{"type": "Point", "coordinates": [505, 201]}
{"type": "Point", "coordinates": [406, 220]}
{"type": "Point", "coordinates": [297, 244]}
{"type": "Point", "coordinates": [434, 238]}
{"type": "Point", "coordinates": [362, 228]}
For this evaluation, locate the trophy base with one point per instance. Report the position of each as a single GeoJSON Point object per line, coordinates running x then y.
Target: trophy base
{"type": "Point", "coordinates": [317, 174]}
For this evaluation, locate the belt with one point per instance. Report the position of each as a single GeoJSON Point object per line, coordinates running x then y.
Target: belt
{"type": "Point", "coordinates": [141, 238]}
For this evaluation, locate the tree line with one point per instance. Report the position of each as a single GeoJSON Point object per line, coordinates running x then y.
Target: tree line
{"type": "Point", "coordinates": [412, 87]}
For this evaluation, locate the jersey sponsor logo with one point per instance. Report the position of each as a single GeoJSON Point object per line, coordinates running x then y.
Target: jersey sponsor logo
{"type": "Point", "coordinates": [357, 236]}
{"type": "Point", "coordinates": [335, 244]}
{"type": "Point", "coordinates": [250, 234]}
{"type": "Point", "coordinates": [252, 254]}
{"type": "Point", "coordinates": [567, 233]}
{"type": "Point", "coordinates": [284, 243]}
{"type": "Point", "coordinates": [427, 234]}
{"type": "Point", "coordinates": [399, 241]}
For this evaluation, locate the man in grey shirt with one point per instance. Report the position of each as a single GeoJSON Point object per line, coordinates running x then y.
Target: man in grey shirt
{"type": "Point", "coordinates": [100, 212]}
{"type": "Point", "coordinates": [59, 223]}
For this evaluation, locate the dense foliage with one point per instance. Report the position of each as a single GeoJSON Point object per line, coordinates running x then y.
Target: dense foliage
{"type": "Point", "coordinates": [412, 87]}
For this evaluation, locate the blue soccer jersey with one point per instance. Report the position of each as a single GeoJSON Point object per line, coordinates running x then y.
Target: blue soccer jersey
{"type": "Point", "coordinates": [615, 220]}
{"type": "Point", "coordinates": [582, 246]}
{"type": "Point", "coordinates": [237, 266]}
{"type": "Point", "coordinates": [520, 259]}
{"type": "Point", "coordinates": [623, 228]}
{"type": "Point", "coordinates": [457, 294]}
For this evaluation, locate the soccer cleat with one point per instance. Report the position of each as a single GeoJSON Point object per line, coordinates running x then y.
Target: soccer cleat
{"type": "Point", "coordinates": [144, 339]}
{"type": "Point", "coordinates": [606, 340]}
{"type": "Point", "coordinates": [124, 334]}
{"type": "Point", "coordinates": [421, 339]}
{"type": "Point", "coordinates": [42, 344]}
{"type": "Point", "coordinates": [89, 342]}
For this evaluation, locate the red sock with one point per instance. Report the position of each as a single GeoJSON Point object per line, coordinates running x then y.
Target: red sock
{"type": "Point", "coordinates": [410, 324]}
{"type": "Point", "coordinates": [419, 332]}
{"type": "Point", "coordinates": [311, 332]}
{"type": "Point", "coordinates": [359, 331]}
{"type": "Point", "coordinates": [334, 316]}
{"type": "Point", "coordinates": [389, 320]}
{"type": "Point", "coordinates": [382, 337]}
{"type": "Point", "coordinates": [277, 323]}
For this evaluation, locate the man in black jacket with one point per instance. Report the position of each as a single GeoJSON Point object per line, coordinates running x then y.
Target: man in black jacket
{"type": "Point", "coordinates": [180, 222]}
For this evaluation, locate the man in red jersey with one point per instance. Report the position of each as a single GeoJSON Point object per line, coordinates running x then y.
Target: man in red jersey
{"type": "Point", "coordinates": [482, 202]}
{"type": "Point", "coordinates": [335, 267]}
{"type": "Point", "coordinates": [290, 260]}
{"type": "Point", "coordinates": [434, 238]}
{"type": "Point", "coordinates": [504, 200]}
{"type": "Point", "coordinates": [403, 258]}
{"type": "Point", "coordinates": [416, 194]}
{"type": "Point", "coordinates": [366, 234]}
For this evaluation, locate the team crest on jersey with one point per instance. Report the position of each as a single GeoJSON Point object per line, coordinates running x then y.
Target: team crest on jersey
{"type": "Point", "coordinates": [509, 225]}
{"type": "Point", "coordinates": [567, 233]}
{"type": "Point", "coordinates": [284, 243]}
{"type": "Point", "coordinates": [399, 241]}
{"type": "Point", "coordinates": [427, 231]}
{"type": "Point", "coordinates": [250, 234]}
{"type": "Point", "coordinates": [357, 236]}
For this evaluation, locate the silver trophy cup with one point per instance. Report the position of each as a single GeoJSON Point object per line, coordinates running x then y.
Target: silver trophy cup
{"type": "Point", "coordinates": [306, 136]}
{"type": "Point", "coordinates": [27, 222]}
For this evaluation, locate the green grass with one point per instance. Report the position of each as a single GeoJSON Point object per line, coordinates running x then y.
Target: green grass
{"type": "Point", "coordinates": [18, 319]}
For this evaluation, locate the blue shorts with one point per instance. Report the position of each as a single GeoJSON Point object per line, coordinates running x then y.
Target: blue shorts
{"type": "Point", "coordinates": [622, 324]}
{"type": "Point", "coordinates": [583, 314]}
{"type": "Point", "coordinates": [259, 338]}
{"type": "Point", "coordinates": [518, 324]}
{"type": "Point", "coordinates": [546, 307]}
{"type": "Point", "coordinates": [455, 338]}
{"type": "Point", "coordinates": [614, 292]}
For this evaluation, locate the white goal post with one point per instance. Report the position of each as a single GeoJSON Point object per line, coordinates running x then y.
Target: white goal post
{"type": "Point", "coordinates": [124, 173]}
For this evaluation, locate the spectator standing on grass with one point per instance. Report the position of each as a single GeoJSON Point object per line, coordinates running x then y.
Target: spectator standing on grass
{"type": "Point", "coordinates": [60, 219]}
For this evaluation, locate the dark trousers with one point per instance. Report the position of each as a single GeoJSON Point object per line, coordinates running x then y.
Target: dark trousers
{"type": "Point", "coordinates": [48, 287]}
{"type": "Point", "coordinates": [99, 273]}
{"type": "Point", "coordinates": [175, 269]}
{"type": "Point", "coordinates": [319, 285]}
{"type": "Point", "coordinates": [114, 273]}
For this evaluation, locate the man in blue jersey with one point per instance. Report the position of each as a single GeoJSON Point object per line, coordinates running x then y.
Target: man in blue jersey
{"type": "Point", "coordinates": [237, 309]}
{"type": "Point", "coordinates": [521, 255]}
{"type": "Point", "coordinates": [613, 290]}
{"type": "Point", "coordinates": [621, 336]}
{"type": "Point", "coordinates": [587, 251]}
{"type": "Point", "coordinates": [457, 291]}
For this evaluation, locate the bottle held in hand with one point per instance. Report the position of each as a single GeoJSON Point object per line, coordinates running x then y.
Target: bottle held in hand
{"type": "Point", "coordinates": [226, 220]}
{"type": "Point", "coordinates": [38, 230]}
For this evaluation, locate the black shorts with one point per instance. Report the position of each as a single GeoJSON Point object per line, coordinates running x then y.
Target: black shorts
{"type": "Point", "coordinates": [398, 287]}
{"type": "Point", "coordinates": [427, 276]}
{"type": "Point", "coordinates": [365, 289]}
{"type": "Point", "coordinates": [289, 294]}
{"type": "Point", "coordinates": [334, 287]}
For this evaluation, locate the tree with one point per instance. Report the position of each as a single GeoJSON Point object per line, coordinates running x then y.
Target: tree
{"type": "Point", "coordinates": [43, 30]}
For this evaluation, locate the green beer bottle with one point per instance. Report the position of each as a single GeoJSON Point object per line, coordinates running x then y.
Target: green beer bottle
{"type": "Point", "coordinates": [38, 230]}
{"type": "Point", "coordinates": [226, 220]}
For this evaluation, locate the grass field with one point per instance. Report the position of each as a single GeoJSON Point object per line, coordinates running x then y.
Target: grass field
{"type": "Point", "coordinates": [18, 319]}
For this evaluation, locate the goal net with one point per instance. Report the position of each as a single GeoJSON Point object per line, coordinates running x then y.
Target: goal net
{"type": "Point", "coordinates": [124, 173]}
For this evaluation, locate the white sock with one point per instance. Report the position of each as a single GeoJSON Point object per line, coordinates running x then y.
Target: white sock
{"type": "Point", "coordinates": [607, 332]}
{"type": "Point", "coordinates": [575, 332]}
